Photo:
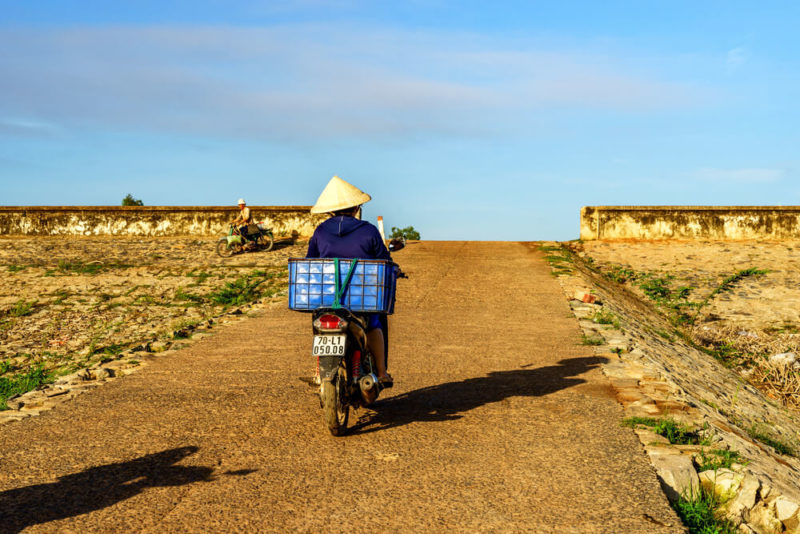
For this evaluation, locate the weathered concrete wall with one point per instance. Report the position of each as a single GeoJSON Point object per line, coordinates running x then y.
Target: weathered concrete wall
{"type": "Point", "coordinates": [148, 220]}
{"type": "Point", "coordinates": [690, 222]}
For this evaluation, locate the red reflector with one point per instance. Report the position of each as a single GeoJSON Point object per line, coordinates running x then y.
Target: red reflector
{"type": "Point", "coordinates": [329, 321]}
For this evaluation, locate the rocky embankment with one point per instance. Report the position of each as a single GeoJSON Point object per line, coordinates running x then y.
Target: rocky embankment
{"type": "Point", "coordinates": [77, 311]}
{"type": "Point", "coordinates": [707, 428]}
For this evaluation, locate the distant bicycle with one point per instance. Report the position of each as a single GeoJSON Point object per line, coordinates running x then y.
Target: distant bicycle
{"type": "Point", "coordinates": [259, 237]}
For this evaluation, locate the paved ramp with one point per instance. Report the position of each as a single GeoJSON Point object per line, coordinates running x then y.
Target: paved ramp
{"type": "Point", "coordinates": [499, 421]}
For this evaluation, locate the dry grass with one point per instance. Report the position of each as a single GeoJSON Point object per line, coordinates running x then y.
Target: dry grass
{"type": "Point", "coordinates": [778, 381]}
{"type": "Point", "coordinates": [751, 341]}
{"type": "Point", "coordinates": [749, 351]}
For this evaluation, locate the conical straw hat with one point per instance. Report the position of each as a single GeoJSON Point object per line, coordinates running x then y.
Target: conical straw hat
{"type": "Point", "coordinates": [339, 195]}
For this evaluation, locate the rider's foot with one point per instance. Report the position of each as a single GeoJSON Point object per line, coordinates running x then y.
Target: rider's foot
{"type": "Point", "coordinates": [386, 380]}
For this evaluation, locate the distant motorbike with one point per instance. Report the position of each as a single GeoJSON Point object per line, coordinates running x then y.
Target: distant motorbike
{"type": "Point", "coordinates": [259, 237]}
{"type": "Point", "coordinates": [397, 243]}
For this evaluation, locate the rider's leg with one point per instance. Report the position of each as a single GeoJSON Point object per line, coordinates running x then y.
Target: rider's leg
{"type": "Point", "coordinates": [375, 344]}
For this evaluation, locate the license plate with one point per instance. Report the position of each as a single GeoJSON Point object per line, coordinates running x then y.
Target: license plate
{"type": "Point", "coordinates": [328, 346]}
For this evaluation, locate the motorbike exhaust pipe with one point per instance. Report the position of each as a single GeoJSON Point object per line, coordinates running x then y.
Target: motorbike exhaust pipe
{"type": "Point", "coordinates": [369, 390]}
{"type": "Point", "coordinates": [367, 382]}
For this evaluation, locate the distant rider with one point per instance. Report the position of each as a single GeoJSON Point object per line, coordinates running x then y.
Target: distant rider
{"type": "Point", "coordinates": [244, 218]}
{"type": "Point", "coordinates": [346, 236]}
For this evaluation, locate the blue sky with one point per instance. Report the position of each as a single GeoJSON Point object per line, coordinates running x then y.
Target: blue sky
{"type": "Point", "coordinates": [465, 119]}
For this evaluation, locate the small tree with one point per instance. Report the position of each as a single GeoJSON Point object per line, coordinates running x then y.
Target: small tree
{"type": "Point", "coordinates": [408, 233]}
{"type": "Point", "coordinates": [130, 201]}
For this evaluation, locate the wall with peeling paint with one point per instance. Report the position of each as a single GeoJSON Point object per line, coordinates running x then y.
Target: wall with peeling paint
{"type": "Point", "coordinates": [149, 220]}
{"type": "Point", "coordinates": [690, 222]}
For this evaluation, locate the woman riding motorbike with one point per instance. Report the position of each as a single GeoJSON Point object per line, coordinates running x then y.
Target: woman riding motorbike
{"type": "Point", "coordinates": [344, 235]}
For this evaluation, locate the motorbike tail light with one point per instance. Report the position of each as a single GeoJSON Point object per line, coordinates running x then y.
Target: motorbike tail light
{"type": "Point", "coordinates": [330, 322]}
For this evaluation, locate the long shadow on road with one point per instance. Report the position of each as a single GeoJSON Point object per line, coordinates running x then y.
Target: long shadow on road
{"type": "Point", "coordinates": [444, 402]}
{"type": "Point", "coordinates": [95, 488]}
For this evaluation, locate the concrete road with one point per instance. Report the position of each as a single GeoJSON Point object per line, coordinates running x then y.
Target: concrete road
{"type": "Point", "coordinates": [499, 421]}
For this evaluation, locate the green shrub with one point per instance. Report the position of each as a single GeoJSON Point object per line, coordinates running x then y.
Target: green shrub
{"type": "Point", "coordinates": [180, 294]}
{"type": "Point", "coordinates": [757, 433]}
{"type": "Point", "coordinates": [22, 308]}
{"type": "Point", "coordinates": [61, 295]}
{"type": "Point", "coordinates": [408, 232]}
{"type": "Point", "coordinates": [199, 277]}
{"type": "Point", "coordinates": [620, 273]}
{"type": "Point", "coordinates": [130, 201]}
{"type": "Point", "coordinates": [676, 433]}
{"type": "Point", "coordinates": [6, 366]}
{"type": "Point", "coordinates": [605, 317]}
{"type": "Point", "coordinates": [633, 422]}
{"type": "Point", "coordinates": [242, 290]}
{"type": "Point", "coordinates": [561, 262]}
{"type": "Point", "coordinates": [79, 267]}
{"type": "Point", "coordinates": [656, 288]}
{"type": "Point", "coordinates": [717, 459]}
{"type": "Point", "coordinates": [91, 268]}
{"type": "Point", "coordinates": [594, 341]}
{"type": "Point", "coordinates": [22, 383]}
{"type": "Point", "coordinates": [699, 514]}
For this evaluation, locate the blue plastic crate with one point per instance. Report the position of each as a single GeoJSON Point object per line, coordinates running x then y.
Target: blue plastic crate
{"type": "Point", "coordinates": [312, 284]}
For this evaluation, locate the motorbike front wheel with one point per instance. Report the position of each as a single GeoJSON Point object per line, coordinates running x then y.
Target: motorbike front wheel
{"type": "Point", "coordinates": [266, 242]}
{"type": "Point", "coordinates": [223, 249]}
{"type": "Point", "coordinates": [334, 409]}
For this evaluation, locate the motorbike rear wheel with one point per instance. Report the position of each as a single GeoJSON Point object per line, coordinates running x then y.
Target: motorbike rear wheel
{"type": "Point", "coordinates": [334, 409]}
{"type": "Point", "coordinates": [223, 249]}
{"type": "Point", "coordinates": [266, 242]}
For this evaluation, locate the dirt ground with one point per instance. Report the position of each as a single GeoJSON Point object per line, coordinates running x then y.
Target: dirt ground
{"type": "Point", "coordinates": [757, 303]}
{"type": "Point", "coordinates": [67, 302]}
{"type": "Point", "coordinates": [738, 300]}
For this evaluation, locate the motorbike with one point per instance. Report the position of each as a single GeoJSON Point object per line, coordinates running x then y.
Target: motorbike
{"type": "Point", "coordinates": [347, 372]}
{"type": "Point", "coordinates": [259, 237]}
{"type": "Point", "coordinates": [341, 294]}
{"type": "Point", "coordinates": [397, 243]}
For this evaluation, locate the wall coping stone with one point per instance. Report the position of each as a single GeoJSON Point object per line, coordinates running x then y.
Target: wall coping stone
{"type": "Point", "coordinates": [693, 208]}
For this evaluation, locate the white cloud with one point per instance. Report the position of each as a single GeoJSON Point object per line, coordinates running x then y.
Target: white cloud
{"type": "Point", "coordinates": [736, 58]}
{"type": "Point", "coordinates": [307, 82]}
{"type": "Point", "coordinates": [740, 176]}
{"type": "Point", "coordinates": [26, 127]}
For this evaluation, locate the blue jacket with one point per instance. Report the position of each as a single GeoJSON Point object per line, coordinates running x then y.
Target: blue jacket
{"type": "Point", "coordinates": [347, 237]}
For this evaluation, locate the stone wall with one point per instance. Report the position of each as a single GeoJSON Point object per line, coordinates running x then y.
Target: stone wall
{"type": "Point", "coordinates": [690, 222]}
{"type": "Point", "coordinates": [149, 220]}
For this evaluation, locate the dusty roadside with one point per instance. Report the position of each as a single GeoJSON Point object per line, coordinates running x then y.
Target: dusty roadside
{"type": "Point", "coordinates": [71, 303]}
